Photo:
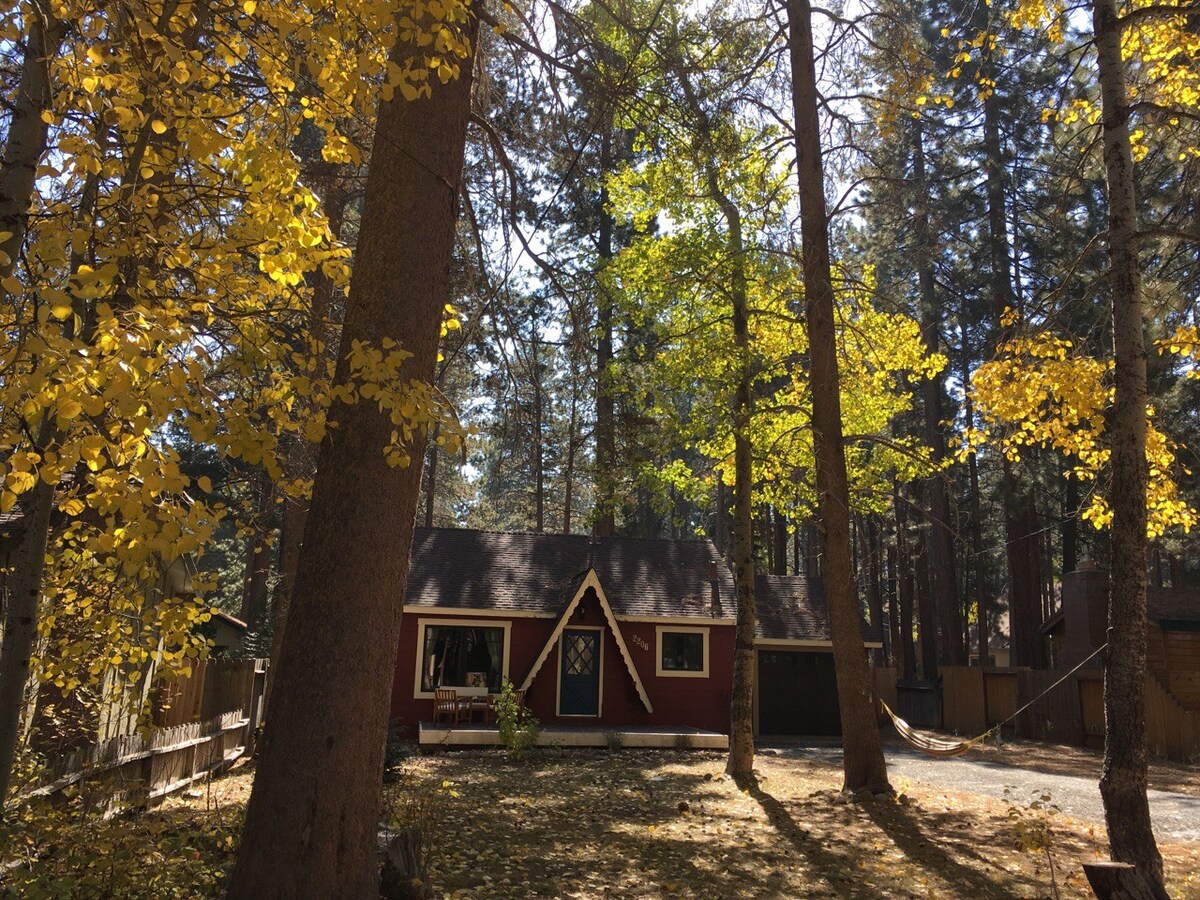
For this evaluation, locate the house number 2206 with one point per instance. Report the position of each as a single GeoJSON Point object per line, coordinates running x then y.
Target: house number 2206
{"type": "Point", "coordinates": [640, 642]}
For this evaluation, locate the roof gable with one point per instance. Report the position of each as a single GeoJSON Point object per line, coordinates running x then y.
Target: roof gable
{"type": "Point", "coordinates": [589, 580]}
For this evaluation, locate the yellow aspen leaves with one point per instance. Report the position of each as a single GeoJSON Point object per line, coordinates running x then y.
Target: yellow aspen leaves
{"type": "Point", "coordinates": [165, 283]}
{"type": "Point", "coordinates": [1041, 392]}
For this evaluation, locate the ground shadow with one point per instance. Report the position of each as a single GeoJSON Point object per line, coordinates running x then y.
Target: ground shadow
{"type": "Point", "coordinates": [922, 847]}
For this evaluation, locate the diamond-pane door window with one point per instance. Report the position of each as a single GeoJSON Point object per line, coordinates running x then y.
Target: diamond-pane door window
{"type": "Point", "coordinates": [581, 655]}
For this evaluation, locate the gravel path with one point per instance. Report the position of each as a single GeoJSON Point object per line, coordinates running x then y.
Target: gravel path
{"type": "Point", "coordinates": [1175, 816]}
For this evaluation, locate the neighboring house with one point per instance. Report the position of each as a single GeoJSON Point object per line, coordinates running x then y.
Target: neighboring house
{"type": "Point", "coordinates": [227, 634]}
{"type": "Point", "coordinates": [999, 645]}
{"type": "Point", "coordinates": [1172, 630]}
{"type": "Point", "coordinates": [616, 632]}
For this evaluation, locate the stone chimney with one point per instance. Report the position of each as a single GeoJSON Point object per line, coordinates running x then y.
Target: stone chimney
{"type": "Point", "coordinates": [1085, 613]}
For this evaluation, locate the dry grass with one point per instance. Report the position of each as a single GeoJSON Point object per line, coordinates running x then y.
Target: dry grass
{"type": "Point", "coordinates": [668, 824]}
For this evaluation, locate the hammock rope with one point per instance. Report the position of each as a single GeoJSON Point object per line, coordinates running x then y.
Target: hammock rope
{"type": "Point", "coordinates": [943, 749]}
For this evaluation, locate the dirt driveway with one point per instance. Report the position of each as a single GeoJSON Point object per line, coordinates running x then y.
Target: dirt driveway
{"type": "Point", "coordinates": [1068, 776]}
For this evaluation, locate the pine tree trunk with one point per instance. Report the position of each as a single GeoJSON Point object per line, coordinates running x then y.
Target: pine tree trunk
{"type": "Point", "coordinates": [943, 581]}
{"type": "Point", "coordinates": [862, 751]}
{"type": "Point", "coordinates": [258, 552]}
{"type": "Point", "coordinates": [569, 474]}
{"type": "Point", "coordinates": [906, 650]}
{"type": "Point", "coordinates": [606, 428]}
{"type": "Point", "coordinates": [1123, 783]}
{"type": "Point", "coordinates": [982, 620]}
{"type": "Point", "coordinates": [1022, 589]}
{"type": "Point", "coordinates": [893, 635]}
{"type": "Point", "coordinates": [300, 462]}
{"type": "Point", "coordinates": [313, 815]}
{"type": "Point", "coordinates": [872, 551]}
{"type": "Point", "coordinates": [927, 617]}
{"type": "Point", "coordinates": [780, 534]}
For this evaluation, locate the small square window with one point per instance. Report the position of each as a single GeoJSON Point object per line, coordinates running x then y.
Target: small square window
{"type": "Point", "coordinates": [683, 652]}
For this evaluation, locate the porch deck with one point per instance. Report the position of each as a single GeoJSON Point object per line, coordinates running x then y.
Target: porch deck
{"type": "Point", "coordinates": [430, 735]}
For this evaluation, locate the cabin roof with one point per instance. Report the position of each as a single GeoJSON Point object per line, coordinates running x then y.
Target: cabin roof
{"type": "Point", "coordinates": [460, 568]}
{"type": "Point", "coordinates": [793, 607]}
{"type": "Point", "coordinates": [467, 569]}
{"type": "Point", "coordinates": [1173, 604]}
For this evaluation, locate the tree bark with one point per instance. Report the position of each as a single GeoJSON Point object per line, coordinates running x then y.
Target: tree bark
{"type": "Point", "coordinates": [982, 619]}
{"type": "Point", "coordinates": [1022, 584]}
{"type": "Point", "coordinates": [258, 552]}
{"type": "Point", "coordinates": [780, 535]}
{"type": "Point", "coordinates": [300, 461]}
{"type": "Point", "coordinates": [431, 479]}
{"type": "Point", "coordinates": [926, 614]}
{"type": "Point", "coordinates": [1123, 782]}
{"type": "Point", "coordinates": [893, 635]}
{"type": "Point", "coordinates": [943, 580]}
{"type": "Point", "coordinates": [906, 650]}
{"type": "Point", "coordinates": [27, 136]}
{"type": "Point", "coordinates": [862, 751]}
{"type": "Point", "coordinates": [872, 551]}
{"type": "Point", "coordinates": [606, 447]}
{"type": "Point", "coordinates": [569, 474]}
{"type": "Point", "coordinates": [313, 815]}
{"type": "Point", "coordinates": [21, 618]}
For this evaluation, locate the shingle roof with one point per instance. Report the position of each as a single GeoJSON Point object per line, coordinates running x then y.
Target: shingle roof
{"type": "Point", "coordinates": [792, 607]}
{"type": "Point", "coordinates": [539, 573]}
{"type": "Point", "coordinates": [469, 569]}
{"type": "Point", "coordinates": [1173, 604]}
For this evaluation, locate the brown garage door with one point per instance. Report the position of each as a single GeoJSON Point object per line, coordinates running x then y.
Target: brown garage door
{"type": "Point", "coordinates": [797, 693]}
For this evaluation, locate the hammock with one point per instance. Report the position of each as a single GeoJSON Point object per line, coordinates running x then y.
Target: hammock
{"type": "Point", "coordinates": [927, 743]}
{"type": "Point", "coordinates": [944, 749]}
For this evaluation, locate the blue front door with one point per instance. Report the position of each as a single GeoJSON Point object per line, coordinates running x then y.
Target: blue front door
{"type": "Point", "coordinates": [580, 685]}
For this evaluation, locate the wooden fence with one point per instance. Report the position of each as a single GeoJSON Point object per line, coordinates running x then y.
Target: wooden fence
{"type": "Point", "coordinates": [883, 682]}
{"type": "Point", "coordinates": [201, 725]}
{"type": "Point", "coordinates": [976, 699]}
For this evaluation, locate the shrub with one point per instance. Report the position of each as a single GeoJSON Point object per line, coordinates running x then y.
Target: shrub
{"type": "Point", "coordinates": [517, 726]}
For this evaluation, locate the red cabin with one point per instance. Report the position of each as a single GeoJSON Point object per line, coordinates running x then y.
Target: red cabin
{"type": "Point", "coordinates": [613, 633]}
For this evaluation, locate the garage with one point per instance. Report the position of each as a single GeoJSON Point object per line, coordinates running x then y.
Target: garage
{"type": "Point", "coordinates": [797, 693]}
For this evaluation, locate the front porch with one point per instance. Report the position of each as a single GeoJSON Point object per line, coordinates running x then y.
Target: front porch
{"type": "Point", "coordinates": [430, 735]}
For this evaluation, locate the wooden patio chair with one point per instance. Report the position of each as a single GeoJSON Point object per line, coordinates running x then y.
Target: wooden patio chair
{"type": "Point", "coordinates": [448, 708]}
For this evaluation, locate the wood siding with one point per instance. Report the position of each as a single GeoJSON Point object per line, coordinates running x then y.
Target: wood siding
{"type": "Point", "coordinates": [679, 702]}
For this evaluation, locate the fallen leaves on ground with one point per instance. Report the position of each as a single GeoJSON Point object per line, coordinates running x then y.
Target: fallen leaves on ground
{"type": "Point", "coordinates": [642, 824]}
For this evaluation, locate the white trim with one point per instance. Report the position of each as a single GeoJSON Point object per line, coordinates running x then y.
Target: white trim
{"type": "Point", "coordinates": [424, 623]}
{"type": "Point", "coordinates": [423, 609]}
{"type": "Point", "coordinates": [769, 643]}
{"type": "Point", "coordinates": [495, 613]}
{"type": "Point", "coordinates": [658, 647]}
{"type": "Point", "coordinates": [590, 580]}
{"type": "Point", "coordinates": [599, 674]}
{"type": "Point", "coordinates": [678, 620]}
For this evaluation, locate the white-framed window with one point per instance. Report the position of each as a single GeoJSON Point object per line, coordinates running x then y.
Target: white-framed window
{"type": "Point", "coordinates": [468, 655]}
{"type": "Point", "coordinates": [681, 651]}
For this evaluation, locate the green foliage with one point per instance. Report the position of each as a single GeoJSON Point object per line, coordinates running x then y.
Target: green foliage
{"type": "Point", "coordinates": [1031, 824]}
{"type": "Point", "coordinates": [518, 726]}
